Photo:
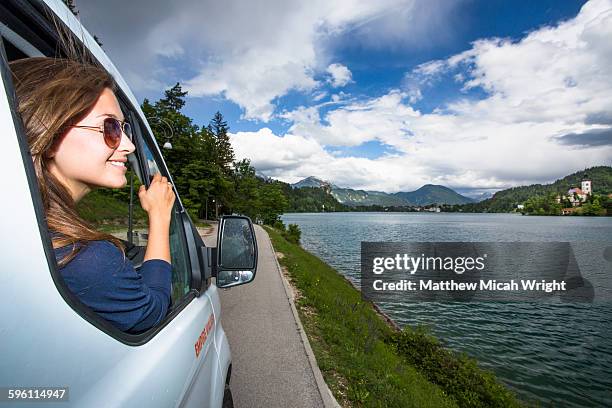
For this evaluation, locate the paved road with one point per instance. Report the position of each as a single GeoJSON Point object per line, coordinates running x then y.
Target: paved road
{"type": "Point", "coordinates": [270, 365]}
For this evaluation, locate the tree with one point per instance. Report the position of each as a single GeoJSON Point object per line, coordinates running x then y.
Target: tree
{"type": "Point", "coordinates": [224, 152]}
{"type": "Point", "coordinates": [273, 202]}
{"type": "Point", "coordinates": [246, 189]}
{"type": "Point", "coordinates": [174, 98]}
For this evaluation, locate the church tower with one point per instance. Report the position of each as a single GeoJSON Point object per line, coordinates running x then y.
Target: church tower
{"type": "Point", "coordinates": [587, 188]}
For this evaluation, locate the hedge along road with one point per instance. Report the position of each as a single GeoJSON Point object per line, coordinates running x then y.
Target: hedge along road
{"type": "Point", "coordinates": [270, 367]}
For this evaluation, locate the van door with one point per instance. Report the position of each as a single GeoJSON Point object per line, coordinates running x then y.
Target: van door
{"type": "Point", "coordinates": [191, 331]}
{"type": "Point", "coordinates": [50, 339]}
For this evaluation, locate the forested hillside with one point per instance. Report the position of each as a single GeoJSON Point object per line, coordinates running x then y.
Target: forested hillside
{"type": "Point", "coordinates": [507, 200]}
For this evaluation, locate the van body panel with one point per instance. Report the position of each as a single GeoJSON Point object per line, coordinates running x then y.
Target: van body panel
{"type": "Point", "coordinates": [159, 373]}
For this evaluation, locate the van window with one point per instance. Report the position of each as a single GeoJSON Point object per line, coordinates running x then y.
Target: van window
{"type": "Point", "coordinates": [181, 268]}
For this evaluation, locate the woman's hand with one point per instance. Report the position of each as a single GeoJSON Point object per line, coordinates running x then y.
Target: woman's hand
{"type": "Point", "coordinates": [158, 200]}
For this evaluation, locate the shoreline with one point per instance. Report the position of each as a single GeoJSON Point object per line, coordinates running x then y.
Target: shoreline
{"type": "Point", "coordinates": [348, 335]}
{"type": "Point", "coordinates": [449, 212]}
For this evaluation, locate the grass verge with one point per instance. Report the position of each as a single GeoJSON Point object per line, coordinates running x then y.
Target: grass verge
{"type": "Point", "coordinates": [364, 361]}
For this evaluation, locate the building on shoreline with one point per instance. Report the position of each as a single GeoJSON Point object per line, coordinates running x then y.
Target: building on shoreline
{"type": "Point", "coordinates": [577, 195]}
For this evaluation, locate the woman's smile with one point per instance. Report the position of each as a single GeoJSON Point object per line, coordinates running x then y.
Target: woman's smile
{"type": "Point", "coordinates": [119, 164]}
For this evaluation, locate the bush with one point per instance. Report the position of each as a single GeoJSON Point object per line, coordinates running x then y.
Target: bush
{"type": "Point", "coordinates": [458, 375]}
{"type": "Point", "coordinates": [279, 225]}
{"type": "Point", "coordinates": [292, 234]}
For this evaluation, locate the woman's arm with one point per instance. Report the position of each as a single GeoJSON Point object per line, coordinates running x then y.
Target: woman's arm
{"type": "Point", "coordinates": [157, 201]}
{"type": "Point", "coordinates": [108, 284]}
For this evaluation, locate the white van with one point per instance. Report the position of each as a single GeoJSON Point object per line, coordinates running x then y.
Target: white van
{"type": "Point", "coordinates": [55, 349]}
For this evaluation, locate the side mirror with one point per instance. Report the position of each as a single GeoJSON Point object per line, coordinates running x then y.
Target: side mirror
{"type": "Point", "coordinates": [236, 251]}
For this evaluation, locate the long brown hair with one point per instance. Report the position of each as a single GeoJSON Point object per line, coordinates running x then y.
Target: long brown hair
{"type": "Point", "coordinates": [53, 94]}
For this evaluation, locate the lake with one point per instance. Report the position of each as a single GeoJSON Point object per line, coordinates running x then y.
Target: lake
{"type": "Point", "coordinates": [559, 353]}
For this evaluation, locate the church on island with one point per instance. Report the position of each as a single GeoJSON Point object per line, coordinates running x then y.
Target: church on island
{"type": "Point", "coordinates": [576, 195]}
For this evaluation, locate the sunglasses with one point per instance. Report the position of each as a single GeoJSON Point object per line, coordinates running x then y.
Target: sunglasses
{"type": "Point", "coordinates": [111, 128]}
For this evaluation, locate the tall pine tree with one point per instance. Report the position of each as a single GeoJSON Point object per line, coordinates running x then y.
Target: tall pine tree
{"type": "Point", "coordinates": [224, 152]}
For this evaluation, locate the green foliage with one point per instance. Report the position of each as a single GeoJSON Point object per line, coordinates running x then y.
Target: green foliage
{"type": "Point", "coordinates": [293, 234]}
{"type": "Point", "coordinates": [200, 160]}
{"type": "Point", "coordinates": [273, 202]}
{"type": "Point", "coordinates": [190, 160]}
{"type": "Point", "coordinates": [104, 210]}
{"type": "Point", "coordinates": [542, 205]}
{"type": "Point", "coordinates": [507, 200]}
{"type": "Point", "coordinates": [279, 225]}
{"type": "Point", "coordinates": [596, 205]}
{"type": "Point", "coordinates": [224, 153]}
{"type": "Point", "coordinates": [262, 201]}
{"type": "Point", "coordinates": [311, 199]}
{"type": "Point", "coordinates": [458, 375]}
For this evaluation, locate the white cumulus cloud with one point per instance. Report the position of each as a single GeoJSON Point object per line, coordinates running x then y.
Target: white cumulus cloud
{"type": "Point", "coordinates": [545, 114]}
{"type": "Point", "coordinates": [340, 75]}
{"type": "Point", "coordinates": [251, 53]}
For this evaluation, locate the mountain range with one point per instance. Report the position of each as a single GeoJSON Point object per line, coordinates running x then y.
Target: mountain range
{"type": "Point", "coordinates": [426, 195]}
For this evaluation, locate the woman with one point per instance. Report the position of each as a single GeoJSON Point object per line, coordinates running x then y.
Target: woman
{"type": "Point", "coordinates": [79, 141]}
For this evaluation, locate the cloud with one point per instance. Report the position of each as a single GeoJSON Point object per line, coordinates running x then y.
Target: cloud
{"type": "Point", "coordinates": [291, 158]}
{"type": "Point", "coordinates": [251, 53]}
{"type": "Point", "coordinates": [555, 73]}
{"type": "Point", "coordinates": [595, 137]}
{"type": "Point", "coordinates": [422, 76]}
{"type": "Point", "coordinates": [274, 155]}
{"type": "Point", "coordinates": [340, 75]}
{"type": "Point", "coordinates": [401, 25]}
{"type": "Point", "coordinates": [534, 124]}
{"type": "Point", "coordinates": [599, 118]}
{"type": "Point", "coordinates": [384, 119]}
{"type": "Point", "coordinates": [544, 93]}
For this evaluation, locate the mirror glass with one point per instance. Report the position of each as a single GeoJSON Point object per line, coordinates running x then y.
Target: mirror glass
{"type": "Point", "coordinates": [232, 278]}
{"type": "Point", "coordinates": [237, 246]}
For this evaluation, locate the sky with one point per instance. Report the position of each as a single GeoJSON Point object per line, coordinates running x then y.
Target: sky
{"type": "Point", "coordinates": [387, 95]}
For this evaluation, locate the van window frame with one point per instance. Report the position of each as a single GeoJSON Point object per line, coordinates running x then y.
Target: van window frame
{"type": "Point", "coordinates": [143, 139]}
{"type": "Point", "coordinates": [71, 299]}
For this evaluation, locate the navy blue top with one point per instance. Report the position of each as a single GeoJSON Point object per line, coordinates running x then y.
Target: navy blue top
{"type": "Point", "coordinates": [130, 300]}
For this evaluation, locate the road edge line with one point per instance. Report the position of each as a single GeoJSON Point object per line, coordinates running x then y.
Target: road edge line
{"type": "Point", "coordinates": [329, 401]}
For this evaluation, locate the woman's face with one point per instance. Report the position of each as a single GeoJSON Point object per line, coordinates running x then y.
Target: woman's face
{"type": "Point", "coordinates": [83, 161]}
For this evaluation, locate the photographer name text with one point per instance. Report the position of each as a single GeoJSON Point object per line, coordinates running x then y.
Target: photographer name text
{"type": "Point", "coordinates": [483, 285]}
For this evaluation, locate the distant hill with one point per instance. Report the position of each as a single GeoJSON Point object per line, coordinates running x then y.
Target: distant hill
{"type": "Point", "coordinates": [311, 199]}
{"type": "Point", "coordinates": [263, 177]}
{"type": "Point", "coordinates": [507, 200]}
{"type": "Point", "coordinates": [428, 194]}
{"type": "Point", "coordinates": [434, 194]}
{"type": "Point", "coordinates": [312, 182]}
{"type": "Point", "coordinates": [482, 197]}
{"type": "Point", "coordinates": [474, 194]}
{"type": "Point", "coordinates": [354, 198]}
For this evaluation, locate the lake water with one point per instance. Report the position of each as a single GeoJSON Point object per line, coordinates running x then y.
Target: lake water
{"type": "Point", "coordinates": [555, 353]}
